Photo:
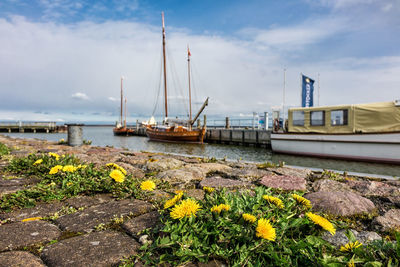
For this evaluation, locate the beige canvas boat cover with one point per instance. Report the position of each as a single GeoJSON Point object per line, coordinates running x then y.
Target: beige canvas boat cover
{"type": "Point", "coordinates": [361, 118]}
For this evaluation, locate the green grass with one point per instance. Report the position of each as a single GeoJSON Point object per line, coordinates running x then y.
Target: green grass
{"type": "Point", "coordinates": [4, 150]}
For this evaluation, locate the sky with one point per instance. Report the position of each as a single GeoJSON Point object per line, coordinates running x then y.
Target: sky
{"type": "Point", "coordinates": [63, 60]}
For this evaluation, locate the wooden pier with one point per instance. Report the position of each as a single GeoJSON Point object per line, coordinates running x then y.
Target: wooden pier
{"type": "Point", "coordinates": [239, 137]}
{"type": "Point", "coordinates": [31, 127]}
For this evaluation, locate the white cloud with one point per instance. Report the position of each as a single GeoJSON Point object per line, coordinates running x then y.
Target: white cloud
{"type": "Point", "coordinates": [81, 96]}
{"type": "Point", "coordinates": [112, 99]}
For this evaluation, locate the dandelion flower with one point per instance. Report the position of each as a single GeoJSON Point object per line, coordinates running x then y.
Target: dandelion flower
{"type": "Point", "coordinates": [80, 166]}
{"type": "Point", "coordinates": [38, 162]}
{"type": "Point", "coordinates": [55, 169]}
{"type": "Point", "coordinates": [350, 246]}
{"type": "Point", "coordinates": [321, 221]}
{"type": "Point", "coordinates": [249, 218]}
{"type": "Point", "coordinates": [148, 185]}
{"type": "Point", "coordinates": [117, 167]}
{"type": "Point", "coordinates": [69, 168]}
{"type": "Point", "coordinates": [265, 230]}
{"type": "Point", "coordinates": [274, 200]}
{"type": "Point", "coordinates": [301, 200]}
{"type": "Point", "coordinates": [54, 155]}
{"type": "Point", "coordinates": [31, 219]}
{"type": "Point", "coordinates": [220, 208]}
{"type": "Point", "coordinates": [186, 208]}
{"type": "Point", "coordinates": [208, 189]}
{"type": "Point", "coordinates": [171, 202]}
{"type": "Point", "coordinates": [351, 263]}
{"type": "Point", "coordinates": [118, 176]}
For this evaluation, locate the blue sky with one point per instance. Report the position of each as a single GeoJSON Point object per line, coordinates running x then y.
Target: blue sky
{"type": "Point", "coordinates": [62, 60]}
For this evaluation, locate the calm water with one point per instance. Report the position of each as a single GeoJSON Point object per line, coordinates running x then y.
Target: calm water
{"type": "Point", "coordinates": [103, 136]}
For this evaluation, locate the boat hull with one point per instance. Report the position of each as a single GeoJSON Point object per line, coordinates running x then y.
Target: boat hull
{"type": "Point", "coordinates": [123, 131]}
{"type": "Point", "coordinates": [384, 148]}
{"type": "Point", "coordinates": [191, 136]}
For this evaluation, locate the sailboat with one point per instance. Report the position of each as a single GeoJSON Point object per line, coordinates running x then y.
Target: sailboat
{"type": "Point", "coordinates": [120, 128]}
{"type": "Point", "coordinates": [175, 130]}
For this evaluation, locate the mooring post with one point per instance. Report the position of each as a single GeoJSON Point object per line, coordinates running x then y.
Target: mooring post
{"type": "Point", "coordinates": [205, 121]}
{"type": "Point", "coordinates": [137, 126]}
{"type": "Point", "coordinates": [266, 121]}
{"type": "Point", "coordinates": [227, 123]}
{"type": "Point", "coordinates": [75, 134]}
{"type": "Point", "coordinates": [198, 123]}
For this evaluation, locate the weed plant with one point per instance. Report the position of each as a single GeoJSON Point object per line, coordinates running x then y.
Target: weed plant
{"type": "Point", "coordinates": [4, 150]}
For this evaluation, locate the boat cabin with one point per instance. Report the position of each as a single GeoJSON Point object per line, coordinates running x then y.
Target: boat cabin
{"type": "Point", "coordinates": [381, 117]}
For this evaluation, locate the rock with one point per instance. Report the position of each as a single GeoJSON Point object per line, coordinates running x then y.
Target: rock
{"type": "Point", "coordinates": [297, 172]}
{"type": "Point", "coordinates": [136, 225]}
{"type": "Point", "coordinates": [195, 193]}
{"type": "Point", "coordinates": [340, 238]}
{"type": "Point", "coordinates": [21, 234]}
{"type": "Point", "coordinates": [374, 188]}
{"type": "Point", "coordinates": [330, 185]}
{"type": "Point", "coordinates": [144, 239]}
{"type": "Point", "coordinates": [215, 168]}
{"type": "Point", "coordinates": [42, 210]}
{"type": "Point", "coordinates": [219, 183]}
{"type": "Point", "coordinates": [87, 201]}
{"type": "Point", "coordinates": [95, 249]}
{"type": "Point", "coordinates": [340, 203]}
{"type": "Point", "coordinates": [136, 172]}
{"type": "Point", "coordinates": [20, 259]}
{"type": "Point", "coordinates": [252, 174]}
{"type": "Point", "coordinates": [8, 186]}
{"type": "Point", "coordinates": [163, 164]}
{"type": "Point", "coordinates": [390, 220]}
{"type": "Point", "coordinates": [284, 182]}
{"type": "Point", "coordinates": [180, 178]}
{"type": "Point", "coordinates": [395, 200]}
{"type": "Point", "coordinates": [86, 220]}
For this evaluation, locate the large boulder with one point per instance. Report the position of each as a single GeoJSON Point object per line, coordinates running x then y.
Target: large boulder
{"type": "Point", "coordinates": [390, 220]}
{"type": "Point", "coordinates": [284, 182]}
{"type": "Point", "coordinates": [20, 259]}
{"type": "Point", "coordinates": [330, 185]}
{"type": "Point", "coordinates": [215, 168]}
{"type": "Point", "coordinates": [340, 203]}
{"type": "Point", "coordinates": [374, 188]}
{"type": "Point", "coordinates": [163, 164]}
{"type": "Point", "coordinates": [219, 183]}
{"type": "Point", "coordinates": [43, 210]}
{"type": "Point", "coordinates": [95, 249]}
{"type": "Point", "coordinates": [289, 171]}
{"type": "Point", "coordinates": [180, 178]}
{"type": "Point", "coordinates": [340, 238]}
{"type": "Point", "coordinates": [135, 225]}
{"type": "Point", "coordinates": [22, 234]}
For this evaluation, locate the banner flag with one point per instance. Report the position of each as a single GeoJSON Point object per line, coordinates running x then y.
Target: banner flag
{"type": "Point", "coordinates": [307, 93]}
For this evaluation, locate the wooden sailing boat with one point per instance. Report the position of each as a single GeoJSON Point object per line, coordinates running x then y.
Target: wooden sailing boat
{"type": "Point", "coordinates": [121, 129]}
{"type": "Point", "coordinates": [176, 130]}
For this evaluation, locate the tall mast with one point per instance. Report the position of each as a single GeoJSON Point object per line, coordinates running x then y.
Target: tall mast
{"type": "Point", "coordinates": [190, 92]}
{"type": "Point", "coordinates": [125, 114]}
{"type": "Point", "coordinates": [121, 99]}
{"type": "Point", "coordinates": [165, 67]}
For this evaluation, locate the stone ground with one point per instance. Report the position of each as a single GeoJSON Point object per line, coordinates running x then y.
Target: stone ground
{"type": "Point", "coordinates": [82, 238]}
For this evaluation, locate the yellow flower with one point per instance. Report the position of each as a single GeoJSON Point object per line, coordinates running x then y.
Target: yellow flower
{"type": "Point", "coordinates": [249, 218]}
{"type": "Point", "coordinates": [55, 169]}
{"type": "Point", "coordinates": [118, 176]}
{"type": "Point", "coordinates": [220, 208]}
{"type": "Point", "coordinates": [274, 200]}
{"type": "Point", "coordinates": [321, 221]}
{"type": "Point", "coordinates": [301, 200]}
{"type": "Point", "coordinates": [38, 162]}
{"type": "Point", "coordinates": [117, 167]}
{"type": "Point", "coordinates": [148, 185]}
{"type": "Point", "coordinates": [31, 219]}
{"type": "Point", "coordinates": [80, 166]}
{"type": "Point", "coordinates": [208, 189]}
{"type": "Point", "coordinates": [265, 230]}
{"type": "Point", "coordinates": [171, 202]}
{"type": "Point", "coordinates": [350, 246]}
{"type": "Point", "coordinates": [54, 155]}
{"type": "Point", "coordinates": [69, 183]}
{"type": "Point", "coordinates": [69, 168]}
{"type": "Point", "coordinates": [351, 263]}
{"type": "Point", "coordinates": [187, 208]}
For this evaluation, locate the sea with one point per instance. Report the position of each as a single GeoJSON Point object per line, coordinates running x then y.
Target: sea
{"type": "Point", "coordinates": [103, 136]}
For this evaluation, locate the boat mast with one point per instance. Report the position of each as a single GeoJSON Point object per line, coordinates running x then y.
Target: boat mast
{"type": "Point", "coordinates": [165, 69]}
{"type": "Point", "coordinates": [121, 99]}
{"type": "Point", "coordinates": [190, 93]}
{"type": "Point", "coordinates": [125, 114]}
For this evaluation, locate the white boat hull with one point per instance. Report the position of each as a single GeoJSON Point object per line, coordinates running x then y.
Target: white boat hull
{"type": "Point", "coordinates": [361, 147]}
